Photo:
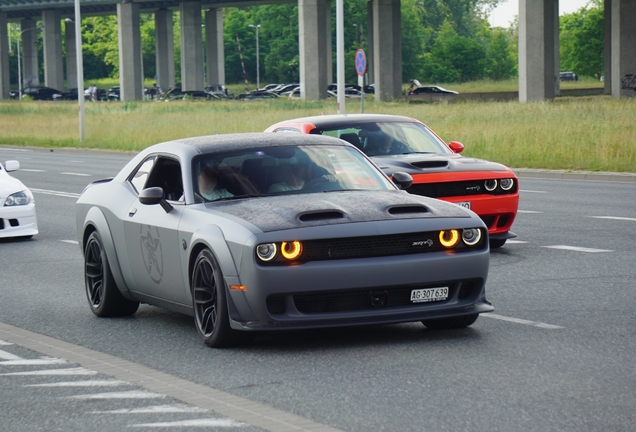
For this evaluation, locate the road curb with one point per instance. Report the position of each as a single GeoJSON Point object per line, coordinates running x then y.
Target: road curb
{"type": "Point", "coordinates": [575, 175]}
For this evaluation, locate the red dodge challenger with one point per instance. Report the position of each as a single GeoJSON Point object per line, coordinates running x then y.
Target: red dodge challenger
{"type": "Point", "coordinates": [404, 144]}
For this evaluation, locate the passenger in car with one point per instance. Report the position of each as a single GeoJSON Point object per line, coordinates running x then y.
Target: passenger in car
{"type": "Point", "coordinates": [297, 175]}
{"type": "Point", "coordinates": [209, 185]}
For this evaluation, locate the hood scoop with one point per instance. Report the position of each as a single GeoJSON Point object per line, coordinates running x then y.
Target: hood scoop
{"type": "Point", "coordinates": [321, 215]}
{"type": "Point", "coordinates": [407, 210]}
{"type": "Point", "coordinates": [430, 164]}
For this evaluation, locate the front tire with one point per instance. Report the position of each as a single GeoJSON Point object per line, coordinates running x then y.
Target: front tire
{"type": "Point", "coordinates": [451, 323]}
{"type": "Point", "coordinates": [102, 293]}
{"type": "Point", "coordinates": [211, 316]}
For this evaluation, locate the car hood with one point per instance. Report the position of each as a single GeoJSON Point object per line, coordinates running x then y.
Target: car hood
{"type": "Point", "coordinates": [282, 212]}
{"type": "Point", "coordinates": [9, 185]}
{"type": "Point", "coordinates": [434, 163]}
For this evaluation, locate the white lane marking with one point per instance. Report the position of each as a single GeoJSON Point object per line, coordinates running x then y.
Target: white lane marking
{"type": "Point", "coordinates": [529, 211]}
{"type": "Point", "coordinates": [168, 409]}
{"type": "Point", "coordinates": [577, 249]}
{"type": "Point", "coordinates": [33, 362]}
{"type": "Point", "coordinates": [133, 394]}
{"type": "Point", "coordinates": [88, 383]}
{"type": "Point", "coordinates": [75, 161]}
{"type": "Point", "coordinates": [516, 242]}
{"type": "Point", "coordinates": [76, 174]}
{"type": "Point", "coordinates": [614, 218]}
{"type": "Point", "coordinates": [32, 170]}
{"type": "Point", "coordinates": [194, 423]}
{"type": "Point", "coordinates": [5, 342]}
{"type": "Point", "coordinates": [70, 241]}
{"type": "Point", "coordinates": [16, 150]}
{"type": "Point", "coordinates": [69, 371]}
{"type": "Point", "coordinates": [532, 191]}
{"type": "Point", "coordinates": [8, 356]}
{"type": "Point", "coordinates": [521, 321]}
{"type": "Point", "coordinates": [56, 193]}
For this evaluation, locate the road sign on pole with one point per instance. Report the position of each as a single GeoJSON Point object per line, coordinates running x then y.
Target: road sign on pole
{"type": "Point", "coordinates": [361, 62]}
{"type": "Point", "coordinates": [361, 68]}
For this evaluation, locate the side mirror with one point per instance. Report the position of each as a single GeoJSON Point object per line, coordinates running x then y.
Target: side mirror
{"type": "Point", "coordinates": [12, 165]}
{"type": "Point", "coordinates": [402, 180]}
{"type": "Point", "coordinates": [154, 196]}
{"type": "Point", "coordinates": [456, 146]}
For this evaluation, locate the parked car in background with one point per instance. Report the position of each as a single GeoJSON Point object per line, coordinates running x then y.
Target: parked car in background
{"type": "Point", "coordinates": [216, 91]}
{"type": "Point", "coordinates": [114, 94]}
{"type": "Point", "coordinates": [17, 206]}
{"type": "Point", "coordinates": [69, 95]}
{"type": "Point", "coordinates": [432, 90]}
{"type": "Point", "coordinates": [41, 93]}
{"type": "Point", "coordinates": [568, 76]}
{"type": "Point", "coordinates": [256, 232]}
{"type": "Point", "coordinates": [398, 143]}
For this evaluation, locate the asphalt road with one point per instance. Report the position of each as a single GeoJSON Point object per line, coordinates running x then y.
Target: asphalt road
{"type": "Point", "coordinates": [557, 354]}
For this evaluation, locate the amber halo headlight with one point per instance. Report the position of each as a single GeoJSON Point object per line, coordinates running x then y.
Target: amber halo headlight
{"type": "Point", "coordinates": [490, 185]}
{"type": "Point", "coordinates": [291, 250]}
{"type": "Point", "coordinates": [266, 251]}
{"type": "Point", "coordinates": [506, 184]}
{"type": "Point", "coordinates": [471, 236]}
{"type": "Point", "coordinates": [449, 238]}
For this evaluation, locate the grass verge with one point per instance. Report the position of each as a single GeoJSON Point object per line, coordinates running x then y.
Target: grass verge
{"type": "Point", "coordinates": [591, 133]}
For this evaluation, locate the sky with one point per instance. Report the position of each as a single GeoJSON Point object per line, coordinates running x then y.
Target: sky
{"type": "Point", "coordinates": [506, 11]}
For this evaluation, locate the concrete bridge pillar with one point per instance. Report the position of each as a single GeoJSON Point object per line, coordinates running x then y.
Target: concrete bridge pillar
{"type": "Point", "coordinates": [131, 77]}
{"type": "Point", "coordinates": [164, 49]}
{"type": "Point", "coordinates": [607, 47]}
{"type": "Point", "coordinates": [538, 50]}
{"type": "Point", "coordinates": [29, 48]}
{"type": "Point", "coordinates": [191, 46]}
{"type": "Point", "coordinates": [623, 46]}
{"type": "Point", "coordinates": [5, 87]}
{"type": "Point", "coordinates": [314, 28]}
{"type": "Point", "coordinates": [52, 32]}
{"type": "Point", "coordinates": [71, 56]}
{"type": "Point", "coordinates": [214, 47]}
{"type": "Point", "coordinates": [387, 49]}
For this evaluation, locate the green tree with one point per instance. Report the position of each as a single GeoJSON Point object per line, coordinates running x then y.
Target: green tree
{"type": "Point", "coordinates": [582, 40]}
{"type": "Point", "coordinates": [501, 64]}
{"type": "Point", "coordinates": [455, 58]}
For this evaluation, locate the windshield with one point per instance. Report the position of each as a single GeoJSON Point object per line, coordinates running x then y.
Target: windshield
{"type": "Point", "coordinates": [390, 138]}
{"type": "Point", "coordinates": [283, 170]}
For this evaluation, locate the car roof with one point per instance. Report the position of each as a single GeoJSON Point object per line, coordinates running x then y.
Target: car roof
{"type": "Point", "coordinates": [338, 120]}
{"type": "Point", "coordinates": [229, 142]}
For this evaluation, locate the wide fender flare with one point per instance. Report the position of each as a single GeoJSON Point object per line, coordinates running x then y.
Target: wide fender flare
{"type": "Point", "coordinates": [212, 237]}
{"type": "Point", "coordinates": [95, 217]}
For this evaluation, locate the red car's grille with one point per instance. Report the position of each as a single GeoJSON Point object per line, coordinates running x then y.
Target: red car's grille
{"type": "Point", "coordinates": [453, 189]}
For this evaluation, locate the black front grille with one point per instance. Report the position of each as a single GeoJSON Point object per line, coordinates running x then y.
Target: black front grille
{"type": "Point", "coordinates": [452, 189]}
{"type": "Point", "coordinates": [488, 220]}
{"type": "Point", "coordinates": [276, 304]}
{"type": "Point", "coordinates": [375, 246]}
{"type": "Point", "coordinates": [1, 224]}
{"type": "Point", "coordinates": [356, 300]}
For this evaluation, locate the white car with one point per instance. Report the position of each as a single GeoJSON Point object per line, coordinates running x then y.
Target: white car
{"type": "Point", "coordinates": [17, 207]}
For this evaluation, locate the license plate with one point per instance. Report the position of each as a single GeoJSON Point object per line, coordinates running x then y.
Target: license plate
{"type": "Point", "coordinates": [465, 204]}
{"type": "Point", "coordinates": [429, 295]}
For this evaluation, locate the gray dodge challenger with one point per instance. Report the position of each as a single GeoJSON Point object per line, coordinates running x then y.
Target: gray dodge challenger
{"type": "Point", "coordinates": [253, 232]}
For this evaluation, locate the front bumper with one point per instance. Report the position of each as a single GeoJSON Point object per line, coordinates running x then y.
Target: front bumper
{"type": "Point", "coordinates": [497, 212]}
{"type": "Point", "coordinates": [18, 221]}
{"type": "Point", "coordinates": [389, 278]}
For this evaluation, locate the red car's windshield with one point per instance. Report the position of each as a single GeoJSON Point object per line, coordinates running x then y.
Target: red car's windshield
{"type": "Point", "coordinates": [388, 138]}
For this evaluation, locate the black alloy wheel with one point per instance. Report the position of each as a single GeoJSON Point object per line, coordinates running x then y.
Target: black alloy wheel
{"type": "Point", "coordinates": [209, 302]}
{"type": "Point", "coordinates": [102, 293]}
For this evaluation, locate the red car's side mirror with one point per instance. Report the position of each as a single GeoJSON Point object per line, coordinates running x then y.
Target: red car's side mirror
{"type": "Point", "coordinates": [456, 146]}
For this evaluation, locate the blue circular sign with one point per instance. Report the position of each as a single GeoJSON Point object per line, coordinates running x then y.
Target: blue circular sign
{"type": "Point", "coordinates": [361, 62]}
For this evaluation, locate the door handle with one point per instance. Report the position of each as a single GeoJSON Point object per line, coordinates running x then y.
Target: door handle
{"type": "Point", "coordinates": [132, 212]}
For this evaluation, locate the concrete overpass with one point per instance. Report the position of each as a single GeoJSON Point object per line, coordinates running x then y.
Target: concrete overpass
{"type": "Point", "coordinates": [538, 44]}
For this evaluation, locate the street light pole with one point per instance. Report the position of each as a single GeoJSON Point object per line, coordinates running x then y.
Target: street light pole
{"type": "Point", "coordinates": [79, 60]}
{"type": "Point", "coordinates": [258, 73]}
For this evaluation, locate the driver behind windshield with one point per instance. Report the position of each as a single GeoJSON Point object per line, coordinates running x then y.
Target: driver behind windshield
{"type": "Point", "coordinates": [209, 187]}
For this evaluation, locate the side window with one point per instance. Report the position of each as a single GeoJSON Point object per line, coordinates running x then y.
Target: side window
{"type": "Point", "coordinates": [166, 174]}
{"type": "Point", "coordinates": [138, 179]}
